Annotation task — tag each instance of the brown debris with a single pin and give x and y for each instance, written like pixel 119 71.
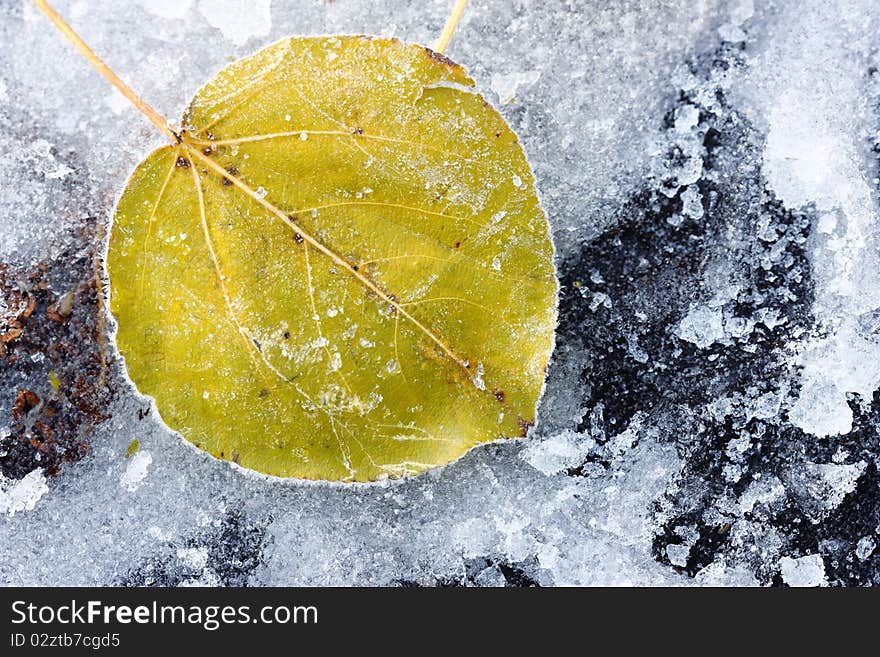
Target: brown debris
pixel 524 426
pixel 51 342
pixel 11 334
pixel 61 309
pixel 25 400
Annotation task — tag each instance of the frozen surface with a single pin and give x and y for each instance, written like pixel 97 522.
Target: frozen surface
pixel 712 414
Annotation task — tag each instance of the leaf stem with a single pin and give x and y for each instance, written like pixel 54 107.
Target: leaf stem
pixel 155 118
pixel 449 28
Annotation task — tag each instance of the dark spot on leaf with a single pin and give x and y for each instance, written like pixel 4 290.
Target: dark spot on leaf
pixel 287 335
pixel 358 131
pixel 207 150
pixel 264 393
pixel 457 245
pixel 297 238
pixel 498 394
pixel 524 426
pixel 182 162
pixel 355 267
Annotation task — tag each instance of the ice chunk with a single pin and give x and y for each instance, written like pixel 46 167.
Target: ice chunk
pixel 686 117
pixel 557 453
pixel 847 361
pixel 490 577
pixel 815 158
pixel 702 326
pixel 692 202
pixel 821 488
pixel 766 490
pixel 678 554
pixel 136 470
pixel 806 571
pixel 821 408
pixel 22 494
pixel 721 574
pixel 195 558
pixel 865 547
pixel 506 86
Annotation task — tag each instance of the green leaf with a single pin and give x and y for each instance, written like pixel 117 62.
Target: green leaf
pixel 342 272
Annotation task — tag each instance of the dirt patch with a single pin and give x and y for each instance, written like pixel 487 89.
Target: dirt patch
pixel 53 362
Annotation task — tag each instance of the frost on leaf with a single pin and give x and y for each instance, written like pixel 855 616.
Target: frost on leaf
pixel 342 270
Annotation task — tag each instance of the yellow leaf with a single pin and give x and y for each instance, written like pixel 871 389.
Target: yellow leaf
pixel 132 448
pixel 342 271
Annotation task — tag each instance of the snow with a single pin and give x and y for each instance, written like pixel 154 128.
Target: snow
pixel 710 172
pixel 170 9
pixel 238 20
